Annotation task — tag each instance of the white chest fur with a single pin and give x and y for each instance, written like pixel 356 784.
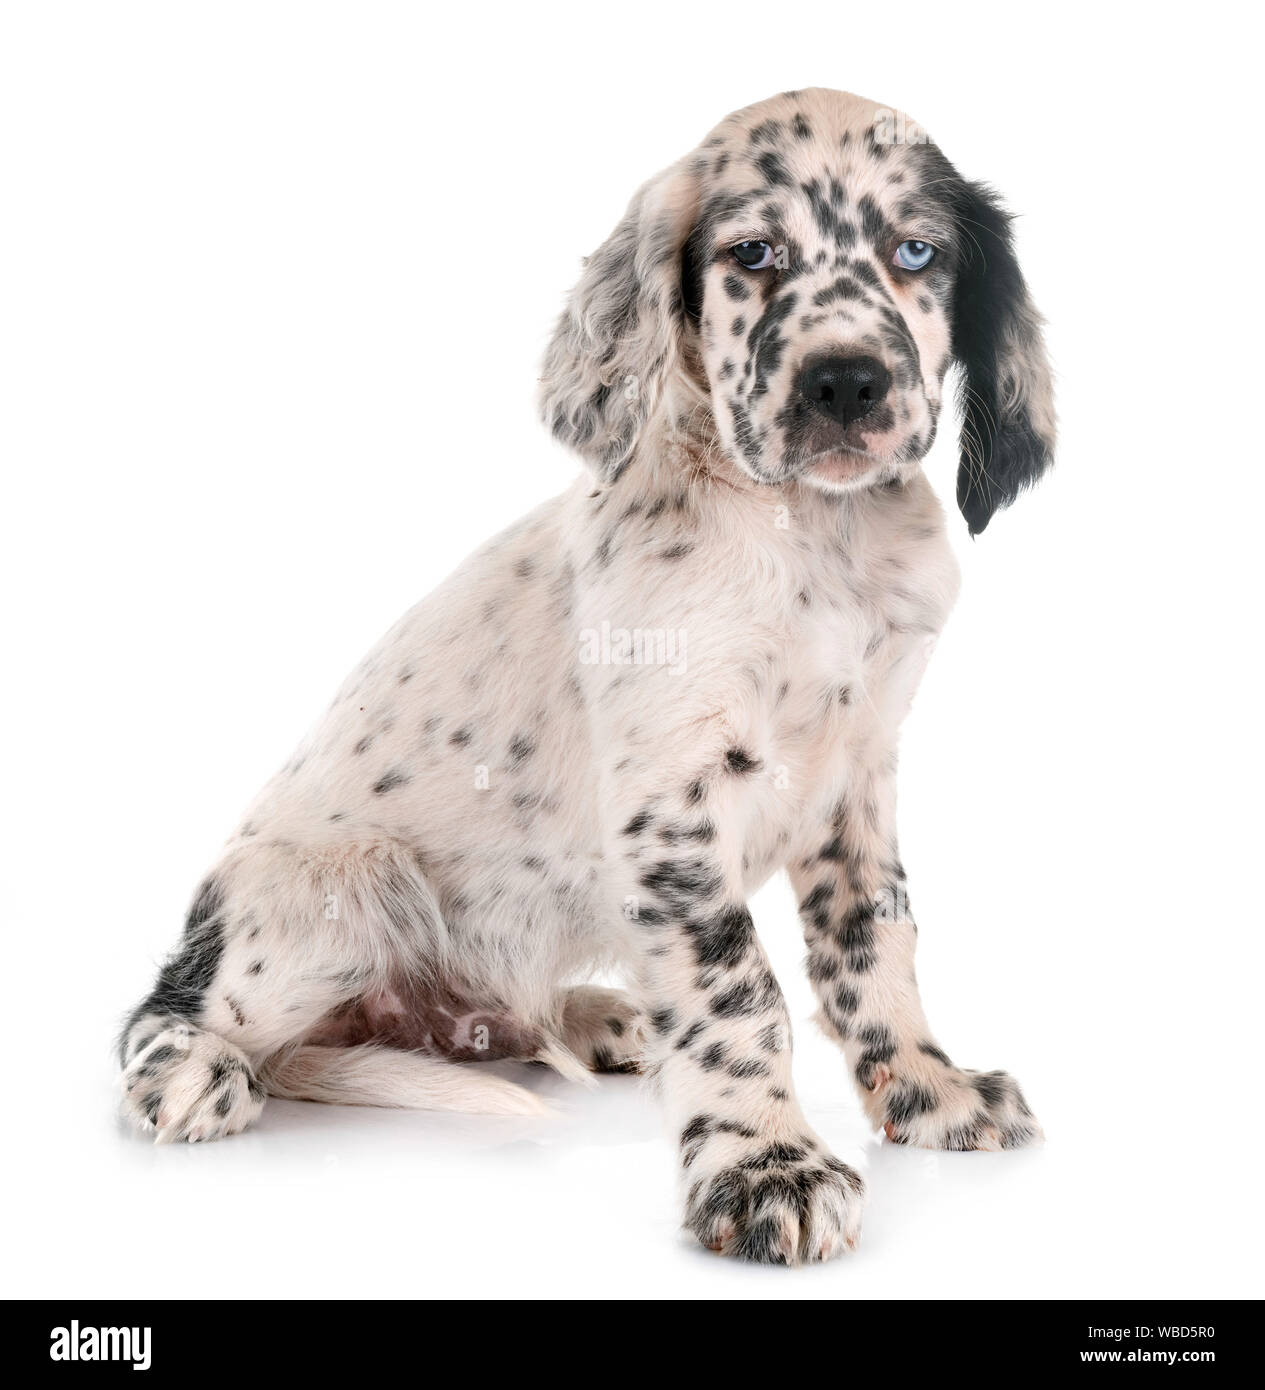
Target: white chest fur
pixel 871 597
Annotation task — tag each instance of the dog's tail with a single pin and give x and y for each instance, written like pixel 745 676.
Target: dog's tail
pixel 370 1074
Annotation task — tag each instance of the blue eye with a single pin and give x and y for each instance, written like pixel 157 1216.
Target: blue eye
pixel 754 255
pixel 914 255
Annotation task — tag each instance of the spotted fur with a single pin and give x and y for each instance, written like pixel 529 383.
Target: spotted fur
pixel 594 742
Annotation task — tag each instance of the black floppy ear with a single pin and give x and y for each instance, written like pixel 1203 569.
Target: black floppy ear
pixel 1006 397
pixel 617 349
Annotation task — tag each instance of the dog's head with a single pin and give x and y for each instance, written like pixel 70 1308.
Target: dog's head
pixel 794 293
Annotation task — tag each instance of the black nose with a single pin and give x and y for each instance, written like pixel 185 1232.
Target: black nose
pixel 844 388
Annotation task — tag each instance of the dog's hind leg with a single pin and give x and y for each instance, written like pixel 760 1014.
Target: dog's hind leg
pixel 182 1080
pixel 278 940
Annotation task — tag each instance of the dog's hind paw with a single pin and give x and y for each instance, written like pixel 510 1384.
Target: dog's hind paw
pixel 191 1085
pixel 604 1028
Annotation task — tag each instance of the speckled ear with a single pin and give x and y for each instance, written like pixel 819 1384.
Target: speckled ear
pixel 1006 395
pixel 619 339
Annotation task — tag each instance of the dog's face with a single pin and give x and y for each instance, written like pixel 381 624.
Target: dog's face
pixel 796 291
pixel 820 274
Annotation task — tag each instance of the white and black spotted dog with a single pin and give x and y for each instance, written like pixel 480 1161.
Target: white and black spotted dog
pixel 591 744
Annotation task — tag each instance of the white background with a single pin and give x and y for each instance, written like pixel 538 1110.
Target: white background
pixel 275 279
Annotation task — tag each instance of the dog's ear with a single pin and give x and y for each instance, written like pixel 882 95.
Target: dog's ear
pixel 1006 397
pixel 618 345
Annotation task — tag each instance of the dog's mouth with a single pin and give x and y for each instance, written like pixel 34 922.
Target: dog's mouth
pixel 838 466
pixel 833 454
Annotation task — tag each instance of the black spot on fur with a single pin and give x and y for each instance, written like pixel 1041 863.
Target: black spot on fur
pixel 880 1048
pixel 521 748
pixel 908 1102
pixel 772 1038
pixel 822 968
pixel 739 761
pixel 223 1069
pixel 816 905
pixel 773 167
pixel 991 1087
pixel 682 882
pixel 847 1000
pixel 776 1156
pixel 856 935
pixel 766 132
pixel 747 997
pixel 697 1128
pixel 722 940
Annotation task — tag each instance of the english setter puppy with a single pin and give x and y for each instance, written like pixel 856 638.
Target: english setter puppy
pixel 589 746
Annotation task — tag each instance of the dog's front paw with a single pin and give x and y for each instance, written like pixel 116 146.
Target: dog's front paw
pixel 769 1198
pixel 944 1107
pixel 191 1085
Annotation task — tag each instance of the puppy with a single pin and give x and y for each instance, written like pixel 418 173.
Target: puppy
pixel 611 725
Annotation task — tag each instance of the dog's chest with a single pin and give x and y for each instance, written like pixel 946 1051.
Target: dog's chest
pixel 856 642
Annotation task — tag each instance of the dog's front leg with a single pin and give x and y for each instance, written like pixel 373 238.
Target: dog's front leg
pixel 758 1182
pixel 861 936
